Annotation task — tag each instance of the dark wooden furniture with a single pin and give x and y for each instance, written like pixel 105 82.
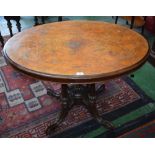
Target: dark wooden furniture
pixel 77 54
pixel 153 50
pixel 59 18
pixel 137 21
pixel 36 20
pixel 17 19
pixel 152 54
pixel 1 40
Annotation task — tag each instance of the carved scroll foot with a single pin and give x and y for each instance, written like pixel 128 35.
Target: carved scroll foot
pixel 62 116
pixel 53 93
pixel 66 106
pixel 94 112
pixel 90 102
pixel 105 123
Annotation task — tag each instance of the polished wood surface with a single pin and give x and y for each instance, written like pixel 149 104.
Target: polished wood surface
pixel 77 51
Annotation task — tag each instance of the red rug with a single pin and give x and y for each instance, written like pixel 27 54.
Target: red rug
pixel 26 110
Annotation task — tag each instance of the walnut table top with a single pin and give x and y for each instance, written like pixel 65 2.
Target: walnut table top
pixel 77 51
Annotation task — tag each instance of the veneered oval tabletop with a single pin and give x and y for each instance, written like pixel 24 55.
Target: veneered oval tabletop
pixel 77 51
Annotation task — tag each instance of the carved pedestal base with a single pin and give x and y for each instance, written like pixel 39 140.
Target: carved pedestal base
pixel 78 94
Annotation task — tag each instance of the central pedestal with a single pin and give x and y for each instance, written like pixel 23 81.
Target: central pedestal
pixel 78 95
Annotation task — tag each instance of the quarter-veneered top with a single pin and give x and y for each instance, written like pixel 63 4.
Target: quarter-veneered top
pixel 77 51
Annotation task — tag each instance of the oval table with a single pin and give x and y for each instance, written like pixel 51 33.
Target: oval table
pixel 77 54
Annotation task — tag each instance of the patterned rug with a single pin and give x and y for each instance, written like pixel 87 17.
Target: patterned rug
pixel 26 110
pixel 145 131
